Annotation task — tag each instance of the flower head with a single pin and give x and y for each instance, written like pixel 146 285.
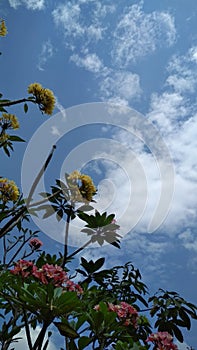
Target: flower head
pixel 3 28
pixel 9 121
pixel 35 243
pixel 124 311
pixel 22 268
pixel 82 187
pixel 162 341
pixel 73 287
pixel 43 97
pixel 8 190
pixel 3 137
pixel 51 274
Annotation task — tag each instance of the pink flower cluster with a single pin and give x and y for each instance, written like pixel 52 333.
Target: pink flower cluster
pixel 124 312
pixel 35 243
pixel 46 274
pixel 162 341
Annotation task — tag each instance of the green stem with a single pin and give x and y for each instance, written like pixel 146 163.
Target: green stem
pixel 39 341
pixel 44 200
pixel 79 249
pixel 11 103
pixel 12 222
pixel 38 177
pixel 66 236
pixel 28 335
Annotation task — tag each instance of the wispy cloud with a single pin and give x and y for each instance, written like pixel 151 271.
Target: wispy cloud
pixel 120 86
pixel 89 61
pixel 183 72
pixel 30 4
pixel 138 34
pixel 47 52
pixel 72 17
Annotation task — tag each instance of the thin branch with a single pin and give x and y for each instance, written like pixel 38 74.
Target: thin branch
pixel 11 103
pixel 44 200
pixel 12 222
pixel 39 341
pixel 27 330
pixel 38 177
pixel 66 237
pixel 79 249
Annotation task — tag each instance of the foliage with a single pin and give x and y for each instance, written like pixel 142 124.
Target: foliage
pixel 108 308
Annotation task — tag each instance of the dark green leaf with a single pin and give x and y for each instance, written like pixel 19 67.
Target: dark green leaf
pixel 83 342
pixel 25 107
pixel 66 330
pixel 16 138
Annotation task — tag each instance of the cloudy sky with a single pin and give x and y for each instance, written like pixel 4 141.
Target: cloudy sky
pixel 139 56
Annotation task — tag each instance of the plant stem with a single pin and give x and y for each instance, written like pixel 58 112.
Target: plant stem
pixel 11 103
pixel 38 177
pixel 13 221
pixel 28 335
pixel 39 341
pixel 79 249
pixel 44 200
pixel 66 236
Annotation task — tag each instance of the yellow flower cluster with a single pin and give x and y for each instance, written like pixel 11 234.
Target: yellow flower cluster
pixel 9 121
pixel 3 137
pixel 83 192
pixel 3 29
pixel 44 97
pixel 8 190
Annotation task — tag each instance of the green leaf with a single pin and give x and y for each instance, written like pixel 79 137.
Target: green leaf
pixel 83 342
pixel 16 138
pixel 185 318
pixel 177 333
pixel 85 208
pixel 66 330
pixel 98 264
pixel 25 107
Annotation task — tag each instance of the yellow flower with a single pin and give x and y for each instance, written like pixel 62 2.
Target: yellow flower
pixel 3 29
pixel 83 192
pixel 87 188
pixel 8 190
pixel 9 121
pixel 3 137
pixel 43 97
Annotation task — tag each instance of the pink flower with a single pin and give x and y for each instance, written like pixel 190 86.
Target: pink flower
pixel 35 243
pixel 162 341
pixel 23 268
pixel 124 311
pixel 51 273
pixel 73 287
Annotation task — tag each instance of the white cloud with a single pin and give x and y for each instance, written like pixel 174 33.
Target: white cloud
pixel 72 17
pixel 90 62
pixel 166 109
pixel 59 106
pixel 46 53
pixel 183 72
pixel 173 111
pixel 121 85
pixel 182 346
pixel 139 33
pixel 22 343
pixel 30 4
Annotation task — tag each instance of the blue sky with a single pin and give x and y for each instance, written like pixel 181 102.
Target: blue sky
pixel 140 54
